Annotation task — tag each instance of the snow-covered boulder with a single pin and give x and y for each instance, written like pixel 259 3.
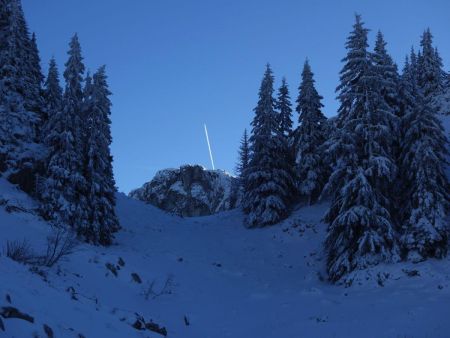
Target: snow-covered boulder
pixel 190 190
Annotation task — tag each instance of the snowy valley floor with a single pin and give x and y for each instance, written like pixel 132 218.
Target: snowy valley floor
pixel 220 278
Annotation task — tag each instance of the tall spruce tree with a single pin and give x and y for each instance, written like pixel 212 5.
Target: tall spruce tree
pixel 389 80
pixel 102 219
pixel 430 73
pixel 64 192
pixel 244 158
pixel 311 169
pixel 267 192
pixel 361 231
pixel 426 190
pixel 52 90
pixel 52 93
pixel 284 109
pixel 51 138
pixel 73 107
pixel 35 98
pixel 17 120
pixel 387 69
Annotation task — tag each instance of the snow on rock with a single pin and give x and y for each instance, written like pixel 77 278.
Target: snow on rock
pixel 190 190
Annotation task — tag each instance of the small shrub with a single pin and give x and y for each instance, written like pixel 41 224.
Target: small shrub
pixel 60 243
pixel 151 292
pixel 20 251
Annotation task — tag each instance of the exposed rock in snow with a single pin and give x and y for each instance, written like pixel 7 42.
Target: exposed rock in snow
pixel 190 190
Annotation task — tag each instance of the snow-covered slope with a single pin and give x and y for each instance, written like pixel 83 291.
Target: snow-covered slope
pixel 210 277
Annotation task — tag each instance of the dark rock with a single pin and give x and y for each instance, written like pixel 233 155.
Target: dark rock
pixel 156 328
pixel 48 331
pixel 411 273
pixel 27 176
pixel 136 278
pixel 111 268
pixel 138 325
pixel 191 191
pixel 121 262
pixel 2 326
pixel 8 312
pixel 73 294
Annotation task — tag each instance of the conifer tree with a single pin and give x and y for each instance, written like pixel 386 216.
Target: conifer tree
pixel 284 111
pixel 387 69
pixel 73 107
pixel 64 191
pixel 430 73
pixel 361 231
pixel 426 190
pixel 102 220
pixel 309 137
pixel 389 79
pixel 17 121
pixel 52 93
pixel 35 100
pixel 244 158
pixel 269 183
pixel 283 106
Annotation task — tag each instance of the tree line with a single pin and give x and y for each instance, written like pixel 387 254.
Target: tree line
pixel 381 161
pixel 55 142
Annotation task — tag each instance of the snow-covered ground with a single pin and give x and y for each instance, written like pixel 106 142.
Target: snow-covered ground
pixel 215 275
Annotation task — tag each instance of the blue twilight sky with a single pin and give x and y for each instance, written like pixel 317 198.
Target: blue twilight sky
pixel 175 64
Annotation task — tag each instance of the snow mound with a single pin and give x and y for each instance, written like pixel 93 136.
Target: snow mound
pixel 190 190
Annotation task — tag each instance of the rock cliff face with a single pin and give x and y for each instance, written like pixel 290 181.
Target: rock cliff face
pixel 191 190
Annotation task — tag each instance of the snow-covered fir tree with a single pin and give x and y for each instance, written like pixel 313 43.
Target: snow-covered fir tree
pixel 73 106
pixel 52 93
pixel 431 76
pixel 309 137
pixel 361 230
pixel 387 69
pixel 85 112
pixel 244 158
pixel 269 182
pixel 101 201
pixel 284 112
pixel 389 80
pixel 35 99
pixel 426 190
pixel 63 193
pixel 17 120
pixel 284 109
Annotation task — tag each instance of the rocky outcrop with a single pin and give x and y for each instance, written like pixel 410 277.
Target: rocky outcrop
pixel 190 190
